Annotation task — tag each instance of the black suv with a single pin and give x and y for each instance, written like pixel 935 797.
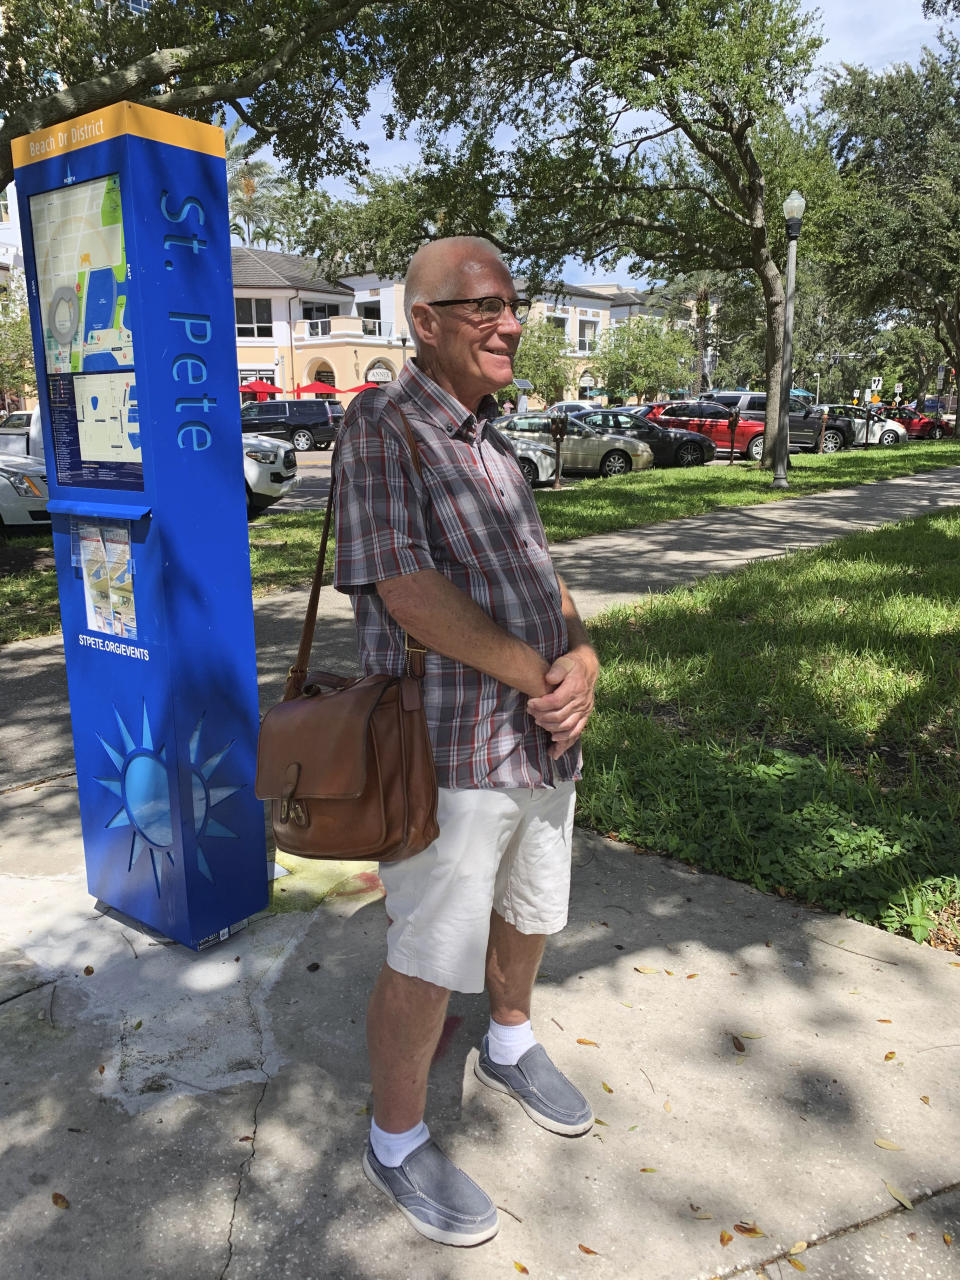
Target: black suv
pixel 306 424
pixel 805 421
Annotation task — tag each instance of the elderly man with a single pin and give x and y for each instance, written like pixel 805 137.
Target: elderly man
pixel 447 547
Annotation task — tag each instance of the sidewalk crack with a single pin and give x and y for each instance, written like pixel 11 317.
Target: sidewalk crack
pixel 248 1161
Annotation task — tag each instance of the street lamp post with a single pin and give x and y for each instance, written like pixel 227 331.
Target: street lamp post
pixel 404 339
pixel 793 208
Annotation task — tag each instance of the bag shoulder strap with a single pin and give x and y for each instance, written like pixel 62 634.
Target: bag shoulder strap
pixel 416 653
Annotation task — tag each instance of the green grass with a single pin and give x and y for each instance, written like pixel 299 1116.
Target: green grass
pixel 648 497
pixel 795 725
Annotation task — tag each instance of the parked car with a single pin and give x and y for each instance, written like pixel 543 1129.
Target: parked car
pixel 671 447
pixel 918 425
pixel 574 406
pixel 584 449
pixel 881 431
pixel 23 493
pixel 538 462
pixel 804 424
pixel 269 471
pixel 21 434
pixel 306 424
pixel 646 410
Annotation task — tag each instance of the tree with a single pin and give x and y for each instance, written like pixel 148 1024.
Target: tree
pixel 896 135
pixel 17 372
pixel 655 134
pixel 295 73
pixel 542 360
pixel 643 358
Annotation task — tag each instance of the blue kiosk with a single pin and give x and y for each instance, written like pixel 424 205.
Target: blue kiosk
pixel 127 251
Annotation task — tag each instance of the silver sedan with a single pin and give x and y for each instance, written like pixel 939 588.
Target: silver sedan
pixel 881 431
pixel 603 453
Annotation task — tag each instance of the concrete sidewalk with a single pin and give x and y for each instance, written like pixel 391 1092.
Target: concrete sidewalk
pixel 203 1115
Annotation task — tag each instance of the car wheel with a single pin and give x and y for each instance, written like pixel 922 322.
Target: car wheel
pixel 616 463
pixel 689 454
pixel 754 449
pixel 935 432
pixel 302 440
pixel 888 437
pixel 528 470
pixel 832 441
pixel 252 511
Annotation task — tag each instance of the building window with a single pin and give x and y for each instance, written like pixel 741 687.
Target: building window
pixel 4 206
pixel 254 319
pixel 319 310
pixel 558 322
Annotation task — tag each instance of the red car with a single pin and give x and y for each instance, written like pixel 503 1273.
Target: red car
pixel 918 426
pixel 713 421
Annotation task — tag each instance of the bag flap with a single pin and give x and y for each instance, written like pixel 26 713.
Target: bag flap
pixel 326 736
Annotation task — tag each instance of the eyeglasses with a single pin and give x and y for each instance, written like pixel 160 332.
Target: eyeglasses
pixel 490 308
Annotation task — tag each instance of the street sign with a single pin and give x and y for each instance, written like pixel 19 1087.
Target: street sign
pixel 856 396
pixel 941 370
pixel 898 388
pixel 876 384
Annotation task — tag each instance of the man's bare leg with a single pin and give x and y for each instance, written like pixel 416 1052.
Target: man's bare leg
pixel 404 1021
pixel 513 959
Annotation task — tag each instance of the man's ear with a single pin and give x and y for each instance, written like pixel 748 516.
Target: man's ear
pixel 425 323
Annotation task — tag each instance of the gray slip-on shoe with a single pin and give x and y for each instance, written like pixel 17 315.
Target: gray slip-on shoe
pixel 545 1093
pixel 436 1197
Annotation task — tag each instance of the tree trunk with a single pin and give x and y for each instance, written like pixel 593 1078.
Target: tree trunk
pixel 774 301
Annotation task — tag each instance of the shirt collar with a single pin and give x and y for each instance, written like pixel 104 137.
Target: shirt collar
pixel 444 409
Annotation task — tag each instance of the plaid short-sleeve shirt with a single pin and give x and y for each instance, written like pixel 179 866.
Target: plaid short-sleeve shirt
pixel 471 516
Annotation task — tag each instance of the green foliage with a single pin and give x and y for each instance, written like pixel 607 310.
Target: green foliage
pixel 542 360
pixel 643 358
pixel 896 135
pixel 17 372
pixel 794 725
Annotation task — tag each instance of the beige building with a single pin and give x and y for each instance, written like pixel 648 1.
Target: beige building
pixel 294 328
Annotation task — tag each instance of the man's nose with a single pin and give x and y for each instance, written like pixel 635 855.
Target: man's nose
pixel 509 322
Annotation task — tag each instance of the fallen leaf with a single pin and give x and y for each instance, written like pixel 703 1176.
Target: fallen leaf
pixel 886 1144
pixel 897 1194
pixel 521 1268
pixel 667 1106
pixel 101 1069
pixel 739 1045
pixel 749 1229
pixel 247 1137
pixel 586 1248
pixel 912 1237
pixel 138 1024
pixel 88 969
pixel 668 972
pixel 704 1216
pixel 694 1208
pixel 725 1238
pixel 752 1035
pixel 884 1019
pixel 798 1247
pixel 625 1005
pixel 597 1135
pixel 692 975
pixel 632 1127
pixel 593 1042
pixel 313 966
pixel 362 1111
pixel 947 1238
pixel 606 1087
pixel 61 1202
pixel 648 1170
pixel 797 1266
pixel 924 1099
pixel 954 963
pixel 643 968
pixel 889 1057
pixel 597 1120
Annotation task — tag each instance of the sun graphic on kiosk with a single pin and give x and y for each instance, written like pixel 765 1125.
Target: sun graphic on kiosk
pixel 143 785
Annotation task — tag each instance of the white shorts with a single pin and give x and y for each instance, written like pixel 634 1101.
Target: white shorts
pixel 503 849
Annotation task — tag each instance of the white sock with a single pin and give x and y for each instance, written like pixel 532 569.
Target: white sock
pixel 392 1149
pixel 507 1045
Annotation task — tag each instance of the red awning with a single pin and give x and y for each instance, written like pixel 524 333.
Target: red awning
pixel 260 389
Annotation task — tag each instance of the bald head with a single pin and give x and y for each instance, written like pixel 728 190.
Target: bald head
pixel 442 269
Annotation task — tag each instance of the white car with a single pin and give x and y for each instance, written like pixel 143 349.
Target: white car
pixel 269 471
pixel 23 493
pixel 574 406
pixel 882 431
pixel 537 461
